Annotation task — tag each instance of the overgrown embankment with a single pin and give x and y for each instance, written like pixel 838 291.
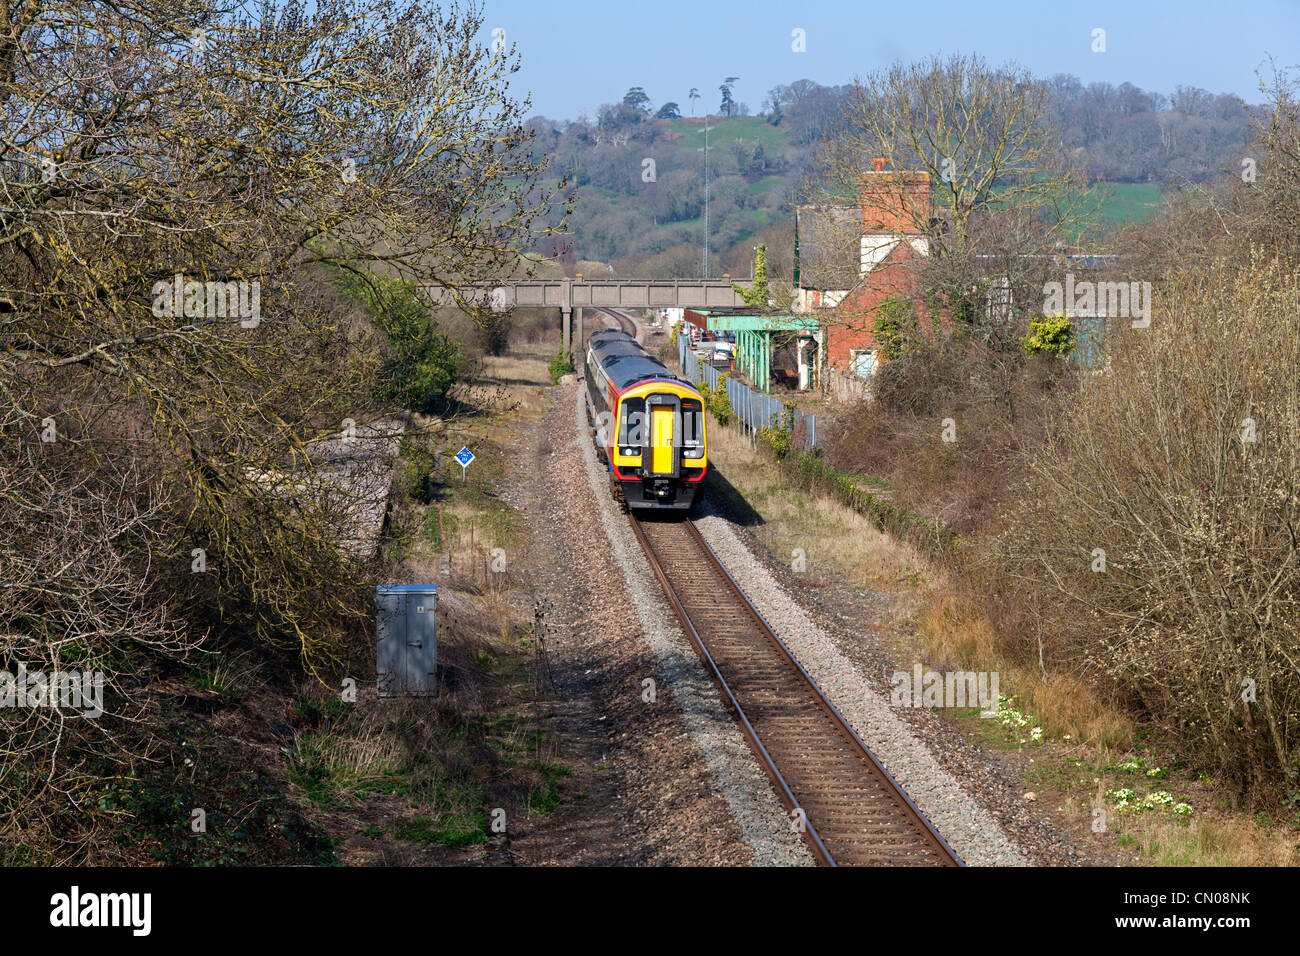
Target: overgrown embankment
pixel 1122 557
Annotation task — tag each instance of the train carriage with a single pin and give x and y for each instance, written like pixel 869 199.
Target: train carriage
pixel 648 423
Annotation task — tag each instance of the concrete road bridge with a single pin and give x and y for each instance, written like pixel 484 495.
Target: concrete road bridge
pixel 575 294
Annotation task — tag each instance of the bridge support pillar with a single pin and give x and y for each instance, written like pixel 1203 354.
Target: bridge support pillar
pixel 567 314
pixel 579 344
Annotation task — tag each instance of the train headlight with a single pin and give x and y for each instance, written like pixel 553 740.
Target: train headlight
pixel 629 451
pixel 696 452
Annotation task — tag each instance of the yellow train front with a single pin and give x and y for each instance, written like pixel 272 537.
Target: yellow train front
pixel 648 424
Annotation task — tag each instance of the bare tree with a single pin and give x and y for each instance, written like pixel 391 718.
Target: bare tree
pixel 983 139
pixel 169 197
pixel 175 179
pixel 1155 536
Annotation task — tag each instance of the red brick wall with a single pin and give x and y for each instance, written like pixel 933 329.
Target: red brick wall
pixel 853 324
pixel 893 203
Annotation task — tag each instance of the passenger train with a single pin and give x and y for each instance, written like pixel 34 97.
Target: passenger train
pixel 648 424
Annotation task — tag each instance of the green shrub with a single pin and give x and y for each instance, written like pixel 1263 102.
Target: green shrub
pixel 560 366
pixel 1049 335
pixel 895 324
pixel 778 437
pixel 719 402
pixel 423 364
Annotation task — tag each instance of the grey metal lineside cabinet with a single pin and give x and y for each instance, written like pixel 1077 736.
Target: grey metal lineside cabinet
pixel 406 650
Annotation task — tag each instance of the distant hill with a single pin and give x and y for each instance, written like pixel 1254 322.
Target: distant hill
pixel 640 199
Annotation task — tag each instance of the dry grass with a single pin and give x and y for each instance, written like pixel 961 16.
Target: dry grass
pixel 421 773
pixel 1215 841
pixel 522 369
pixel 362 756
pixel 466 523
pixel 514 382
pixel 833 537
pixel 954 634
pixel 1068 707
pixel 946 630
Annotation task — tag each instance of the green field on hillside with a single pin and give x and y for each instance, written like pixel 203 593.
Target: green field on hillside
pixel 1129 202
pixel 724 131
pixel 765 185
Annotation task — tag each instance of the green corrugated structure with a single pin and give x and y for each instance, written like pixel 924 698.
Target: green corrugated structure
pixel 754 338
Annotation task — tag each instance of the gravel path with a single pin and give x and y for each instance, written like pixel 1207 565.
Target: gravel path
pixel 967 827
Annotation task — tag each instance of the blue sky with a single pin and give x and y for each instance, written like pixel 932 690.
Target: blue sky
pixel 577 55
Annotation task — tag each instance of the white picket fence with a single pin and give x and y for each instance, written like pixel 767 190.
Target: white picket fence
pixel 753 409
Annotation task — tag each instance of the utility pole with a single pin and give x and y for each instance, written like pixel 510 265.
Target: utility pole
pixel 705 151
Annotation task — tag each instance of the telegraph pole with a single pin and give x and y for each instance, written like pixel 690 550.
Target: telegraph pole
pixel 705 151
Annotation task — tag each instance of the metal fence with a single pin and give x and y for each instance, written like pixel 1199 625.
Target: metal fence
pixel 753 409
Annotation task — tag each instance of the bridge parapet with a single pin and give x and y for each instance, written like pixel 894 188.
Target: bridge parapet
pixel 579 293
pixel 567 294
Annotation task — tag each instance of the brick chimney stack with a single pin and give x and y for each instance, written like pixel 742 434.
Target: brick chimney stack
pixel 894 203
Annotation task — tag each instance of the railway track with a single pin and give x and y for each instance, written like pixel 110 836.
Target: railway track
pixel 854 812
pixel 624 323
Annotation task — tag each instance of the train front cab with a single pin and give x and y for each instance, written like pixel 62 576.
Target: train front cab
pixel 661 455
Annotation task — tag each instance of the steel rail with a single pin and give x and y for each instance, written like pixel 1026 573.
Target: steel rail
pixel 624 323
pixel 912 838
